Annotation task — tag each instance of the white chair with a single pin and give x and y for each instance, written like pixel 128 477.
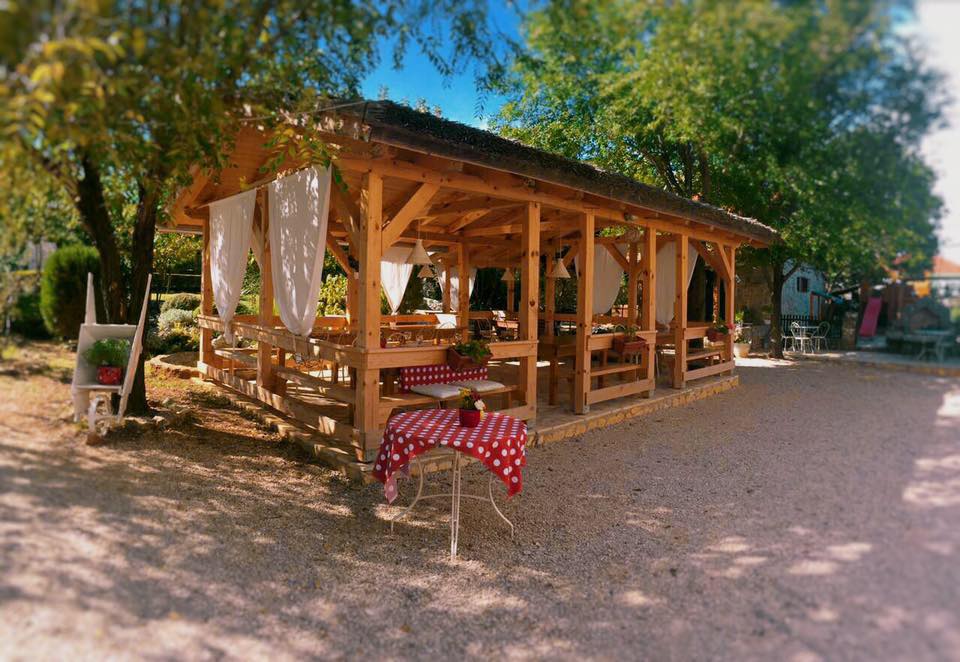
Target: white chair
pixel 800 338
pixel 820 336
pixel 90 396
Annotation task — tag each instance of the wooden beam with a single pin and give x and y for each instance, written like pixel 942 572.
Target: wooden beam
pixel 648 312
pixel 265 377
pixel 467 219
pixel 484 204
pixel 730 305
pixel 529 301
pixel 618 256
pixel 463 292
pixel 680 313
pixel 368 331
pixel 549 296
pixel 339 255
pixel 402 219
pixel 351 215
pixel 581 389
pixel 633 269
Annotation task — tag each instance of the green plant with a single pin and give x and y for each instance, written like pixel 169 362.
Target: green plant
pixel 333 295
pixel 112 352
pixel 180 301
pixel 25 318
pixel 476 350
pixel 63 289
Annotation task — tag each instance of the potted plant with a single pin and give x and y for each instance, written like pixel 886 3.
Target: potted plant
pixel 465 355
pixel 719 331
pixel 110 357
pixel 471 408
pixel 741 346
pixel 629 343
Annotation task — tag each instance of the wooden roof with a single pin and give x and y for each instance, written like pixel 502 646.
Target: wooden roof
pixel 470 184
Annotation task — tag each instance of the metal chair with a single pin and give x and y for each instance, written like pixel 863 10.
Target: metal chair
pixel 819 336
pixel 800 337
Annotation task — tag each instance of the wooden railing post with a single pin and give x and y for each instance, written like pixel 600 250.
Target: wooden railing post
pixel 581 387
pixel 529 303
pixel 206 299
pixel 730 300
pixel 265 376
pixel 680 313
pixel 368 322
pixel 549 297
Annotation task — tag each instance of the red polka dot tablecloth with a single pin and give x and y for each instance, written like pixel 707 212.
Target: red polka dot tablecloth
pixel 499 442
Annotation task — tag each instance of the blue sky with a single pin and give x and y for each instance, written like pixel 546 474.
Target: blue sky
pixel 456 96
pixel 936 25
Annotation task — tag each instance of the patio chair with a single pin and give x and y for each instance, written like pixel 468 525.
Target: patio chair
pixel 486 330
pixel 800 338
pixel 819 336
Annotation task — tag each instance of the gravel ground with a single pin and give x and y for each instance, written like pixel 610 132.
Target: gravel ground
pixel 812 513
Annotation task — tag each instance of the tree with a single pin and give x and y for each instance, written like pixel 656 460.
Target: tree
pixel 806 116
pixel 117 101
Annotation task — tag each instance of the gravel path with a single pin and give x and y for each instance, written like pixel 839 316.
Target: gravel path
pixel 812 513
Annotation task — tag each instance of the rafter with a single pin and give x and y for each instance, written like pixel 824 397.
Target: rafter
pixel 402 219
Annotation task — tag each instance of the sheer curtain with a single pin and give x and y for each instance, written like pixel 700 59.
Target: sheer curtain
pixel 395 274
pixel 666 282
pixel 231 221
pixel 455 285
pixel 607 277
pixel 299 204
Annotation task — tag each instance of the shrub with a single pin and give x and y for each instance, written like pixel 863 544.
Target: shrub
pixel 25 318
pixel 180 301
pixel 63 288
pixel 174 317
pixel 112 352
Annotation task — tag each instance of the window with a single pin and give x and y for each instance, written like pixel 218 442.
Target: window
pixel 803 284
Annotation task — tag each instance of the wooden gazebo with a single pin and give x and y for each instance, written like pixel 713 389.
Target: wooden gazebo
pixel 476 200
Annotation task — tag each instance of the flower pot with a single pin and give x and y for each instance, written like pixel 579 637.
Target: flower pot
pixel 625 347
pixel 109 375
pixel 713 335
pixel 741 349
pixel 469 418
pixel 457 361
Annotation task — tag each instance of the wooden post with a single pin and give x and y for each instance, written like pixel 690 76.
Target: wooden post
pixel 549 297
pixel 680 313
pixel 648 311
pixel 353 298
pixel 529 302
pixel 581 387
pixel 632 277
pixel 206 299
pixel 511 295
pixel 729 301
pixel 463 292
pixel 265 350
pixel 368 323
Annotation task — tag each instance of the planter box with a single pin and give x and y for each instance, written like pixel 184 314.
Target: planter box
pixel 459 362
pixel 714 336
pixel 625 347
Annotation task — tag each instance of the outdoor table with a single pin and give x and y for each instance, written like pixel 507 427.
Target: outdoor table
pixel 498 442
pixel 933 343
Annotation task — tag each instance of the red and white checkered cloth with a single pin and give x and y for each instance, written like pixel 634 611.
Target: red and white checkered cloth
pixel 437 374
pixel 499 442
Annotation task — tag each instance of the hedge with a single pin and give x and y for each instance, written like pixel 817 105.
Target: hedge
pixel 63 288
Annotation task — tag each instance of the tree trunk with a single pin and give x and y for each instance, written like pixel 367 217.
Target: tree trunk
pixel 144 232
pixel 91 204
pixel 776 303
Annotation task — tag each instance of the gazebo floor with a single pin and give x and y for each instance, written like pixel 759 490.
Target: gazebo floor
pixel 554 422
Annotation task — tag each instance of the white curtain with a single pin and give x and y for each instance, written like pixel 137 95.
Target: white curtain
pixel 395 274
pixel 231 221
pixel 666 279
pixel 455 285
pixel 298 237
pixel 607 277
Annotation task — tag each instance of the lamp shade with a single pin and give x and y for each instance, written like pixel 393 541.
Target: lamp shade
pixel 425 272
pixel 418 255
pixel 559 270
pixel 507 275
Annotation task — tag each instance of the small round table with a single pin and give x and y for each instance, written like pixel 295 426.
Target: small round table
pixel 498 442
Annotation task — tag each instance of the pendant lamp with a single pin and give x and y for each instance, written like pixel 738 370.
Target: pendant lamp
pixel 425 272
pixel 508 275
pixel 559 270
pixel 419 254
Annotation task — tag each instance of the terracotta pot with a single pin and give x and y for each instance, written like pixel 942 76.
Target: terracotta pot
pixel 469 418
pixel 109 375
